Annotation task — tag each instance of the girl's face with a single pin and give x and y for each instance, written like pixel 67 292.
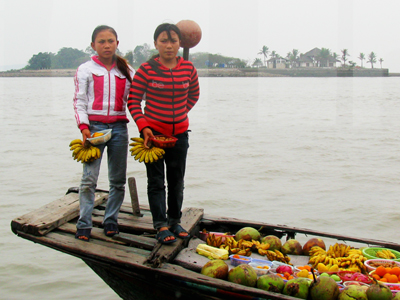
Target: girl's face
pixel 105 45
pixel 167 48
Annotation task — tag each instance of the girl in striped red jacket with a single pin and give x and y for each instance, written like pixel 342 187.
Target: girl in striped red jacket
pixel 170 87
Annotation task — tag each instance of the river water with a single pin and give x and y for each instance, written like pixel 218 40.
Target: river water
pixel 319 153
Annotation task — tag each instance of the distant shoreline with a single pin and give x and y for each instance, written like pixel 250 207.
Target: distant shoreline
pixel 227 72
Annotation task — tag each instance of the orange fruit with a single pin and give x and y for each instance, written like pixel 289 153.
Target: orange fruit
pixel 96 134
pixel 383 280
pixel 387 276
pixel 381 271
pixel 376 276
pixel 395 271
pixel 388 270
pixel 393 279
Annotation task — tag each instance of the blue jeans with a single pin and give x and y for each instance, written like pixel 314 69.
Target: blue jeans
pixel 175 162
pixel 117 154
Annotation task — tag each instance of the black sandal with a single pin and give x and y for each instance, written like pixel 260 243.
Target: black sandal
pixel 110 229
pixel 83 234
pixel 177 230
pixel 163 234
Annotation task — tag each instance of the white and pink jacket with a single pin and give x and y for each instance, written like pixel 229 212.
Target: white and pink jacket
pixel 100 95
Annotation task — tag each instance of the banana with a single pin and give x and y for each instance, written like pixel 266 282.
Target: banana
pixel 140 154
pixel 74 146
pixel 76 141
pixel 81 154
pixel 139 140
pixel 76 151
pixel 136 151
pixel 98 153
pixel 146 157
pixel 154 155
pixel 94 152
pixel 88 155
pixel 143 156
pixel 151 158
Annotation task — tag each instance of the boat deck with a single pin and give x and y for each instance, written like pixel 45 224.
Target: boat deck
pixel 135 258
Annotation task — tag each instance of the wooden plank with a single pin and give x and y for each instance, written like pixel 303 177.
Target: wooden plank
pixel 136 240
pixel 127 223
pixel 50 216
pixel 96 233
pixel 165 253
pixel 97 250
pixel 134 197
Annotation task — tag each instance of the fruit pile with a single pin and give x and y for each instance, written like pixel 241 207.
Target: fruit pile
pixel 84 153
pixel 385 254
pixel 338 256
pixel 302 284
pixel 245 243
pixel 148 155
pixel 390 275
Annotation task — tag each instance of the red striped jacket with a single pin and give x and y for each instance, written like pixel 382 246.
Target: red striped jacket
pixel 169 94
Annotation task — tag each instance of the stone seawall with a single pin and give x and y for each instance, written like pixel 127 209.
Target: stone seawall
pixel 247 72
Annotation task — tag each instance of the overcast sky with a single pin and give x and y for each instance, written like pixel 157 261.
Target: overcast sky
pixel 229 27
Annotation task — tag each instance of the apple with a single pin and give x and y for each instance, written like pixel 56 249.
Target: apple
pixel 311 243
pixel 292 246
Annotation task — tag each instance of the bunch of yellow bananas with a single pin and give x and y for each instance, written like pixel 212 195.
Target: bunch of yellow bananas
pixel 276 255
pixel 345 257
pixel 148 155
pixel 338 250
pixel 84 153
pixel 241 247
pixel 385 254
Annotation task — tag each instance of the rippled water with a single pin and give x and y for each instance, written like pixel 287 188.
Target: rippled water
pixel 320 153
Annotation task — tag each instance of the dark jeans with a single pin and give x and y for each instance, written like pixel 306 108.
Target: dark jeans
pixel 175 162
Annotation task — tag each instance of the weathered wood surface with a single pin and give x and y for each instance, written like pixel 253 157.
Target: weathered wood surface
pixel 165 253
pixel 127 221
pixel 50 216
pixel 101 251
pixel 134 196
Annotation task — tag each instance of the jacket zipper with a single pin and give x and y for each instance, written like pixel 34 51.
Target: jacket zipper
pixel 173 100
pixel 109 94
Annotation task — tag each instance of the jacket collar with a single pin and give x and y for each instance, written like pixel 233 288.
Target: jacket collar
pixel 161 66
pixel 95 58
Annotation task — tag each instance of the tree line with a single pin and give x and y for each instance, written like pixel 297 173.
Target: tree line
pixel 71 58
pixel 292 58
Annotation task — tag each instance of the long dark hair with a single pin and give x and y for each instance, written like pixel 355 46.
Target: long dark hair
pixel 161 28
pixel 122 64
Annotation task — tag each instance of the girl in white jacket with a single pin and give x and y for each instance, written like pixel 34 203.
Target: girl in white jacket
pixel 101 90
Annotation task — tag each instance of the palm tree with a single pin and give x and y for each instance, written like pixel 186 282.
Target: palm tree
pixel 264 51
pixel 371 59
pixel 274 56
pixel 335 57
pixel 361 57
pixel 323 57
pixel 257 63
pixel 380 61
pixel 345 53
pixel 292 56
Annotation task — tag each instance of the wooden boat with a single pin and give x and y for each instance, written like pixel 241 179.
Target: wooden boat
pixel 135 266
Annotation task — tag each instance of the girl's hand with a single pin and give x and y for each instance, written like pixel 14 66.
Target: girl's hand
pixel 85 135
pixel 147 134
